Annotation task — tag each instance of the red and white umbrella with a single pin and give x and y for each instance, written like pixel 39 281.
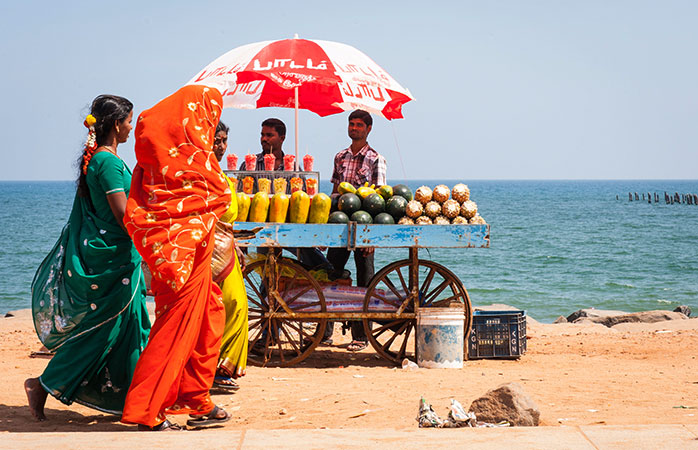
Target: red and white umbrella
pixel 321 76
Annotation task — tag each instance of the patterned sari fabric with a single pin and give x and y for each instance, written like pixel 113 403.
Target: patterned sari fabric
pixel 88 299
pixel 178 193
pixel 233 356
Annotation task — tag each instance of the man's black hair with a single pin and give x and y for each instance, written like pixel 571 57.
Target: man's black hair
pixel 362 115
pixel 276 124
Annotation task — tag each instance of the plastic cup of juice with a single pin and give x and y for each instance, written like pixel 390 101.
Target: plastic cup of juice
pixel 280 185
pixel 264 185
pixel 248 185
pixel 311 186
pixel 250 162
pixel 232 161
pixel 289 162
pixel 308 163
pixel 296 184
pixel 269 161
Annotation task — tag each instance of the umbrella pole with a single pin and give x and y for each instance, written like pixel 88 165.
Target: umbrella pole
pixel 296 95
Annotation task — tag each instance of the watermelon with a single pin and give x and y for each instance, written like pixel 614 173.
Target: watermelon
pixel 402 191
pixel 396 206
pixel 373 204
pixel 335 200
pixel 361 217
pixel 338 217
pixel 384 218
pixel 349 203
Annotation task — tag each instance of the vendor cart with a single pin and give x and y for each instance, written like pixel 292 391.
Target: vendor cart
pixel 289 307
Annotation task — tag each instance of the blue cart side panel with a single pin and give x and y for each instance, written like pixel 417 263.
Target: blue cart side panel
pixel 423 236
pixel 357 235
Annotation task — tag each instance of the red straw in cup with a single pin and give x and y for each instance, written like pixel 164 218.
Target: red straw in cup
pixel 269 161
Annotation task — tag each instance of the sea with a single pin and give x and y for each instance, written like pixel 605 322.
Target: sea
pixel 555 246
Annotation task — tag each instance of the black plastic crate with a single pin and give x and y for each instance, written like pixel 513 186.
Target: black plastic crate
pixel 497 334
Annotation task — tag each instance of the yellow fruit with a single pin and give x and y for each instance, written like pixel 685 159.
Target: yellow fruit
pixel 278 208
pixel 319 208
pixel 365 191
pixel 345 187
pixel 300 205
pixel 259 207
pixel 243 206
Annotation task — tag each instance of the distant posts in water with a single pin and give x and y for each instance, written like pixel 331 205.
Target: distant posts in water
pixel 686 199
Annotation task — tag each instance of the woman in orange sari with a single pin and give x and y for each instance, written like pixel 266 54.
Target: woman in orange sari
pixel 178 192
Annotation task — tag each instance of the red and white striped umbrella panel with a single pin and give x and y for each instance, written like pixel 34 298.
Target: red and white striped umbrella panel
pixel 330 78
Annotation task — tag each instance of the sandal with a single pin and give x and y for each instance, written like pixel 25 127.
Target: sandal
pixel 357 346
pixel 209 419
pixel 164 426
pixel 225 382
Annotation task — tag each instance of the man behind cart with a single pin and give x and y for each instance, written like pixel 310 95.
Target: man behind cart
pixel 357 164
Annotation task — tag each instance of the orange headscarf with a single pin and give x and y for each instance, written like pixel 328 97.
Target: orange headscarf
pixel 178 190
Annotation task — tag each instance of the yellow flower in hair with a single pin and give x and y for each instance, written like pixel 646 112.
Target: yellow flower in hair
pixel 90 120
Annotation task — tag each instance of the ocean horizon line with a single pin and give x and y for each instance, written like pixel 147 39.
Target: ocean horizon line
pixel 443 179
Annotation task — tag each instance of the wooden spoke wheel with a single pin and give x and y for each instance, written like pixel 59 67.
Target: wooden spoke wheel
pixel 394 290
pixel 281 286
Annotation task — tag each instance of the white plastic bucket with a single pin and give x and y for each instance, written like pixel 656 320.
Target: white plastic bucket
pixel 440 338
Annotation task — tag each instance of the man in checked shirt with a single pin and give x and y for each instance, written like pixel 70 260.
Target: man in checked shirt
pixel 357 164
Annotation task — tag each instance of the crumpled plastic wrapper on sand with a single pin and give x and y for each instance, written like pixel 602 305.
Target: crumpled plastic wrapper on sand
pixel 457 417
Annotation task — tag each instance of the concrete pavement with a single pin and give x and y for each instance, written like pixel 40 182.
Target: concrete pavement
pixel 564 437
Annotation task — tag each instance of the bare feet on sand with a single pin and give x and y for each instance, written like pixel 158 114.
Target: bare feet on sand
pixel 37 398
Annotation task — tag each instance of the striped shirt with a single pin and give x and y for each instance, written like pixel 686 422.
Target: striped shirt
pixel 366 166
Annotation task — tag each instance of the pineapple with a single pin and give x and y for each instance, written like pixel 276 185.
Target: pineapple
pixel 432 209
pixel 414 209
pixel 477 220
pixel 405 221
pixel 468 209
pixel 450 208
pixel 423 220
pixel 423 194
pixel 460 193
pixel 441 220
pixel 441 193
pixel 459 220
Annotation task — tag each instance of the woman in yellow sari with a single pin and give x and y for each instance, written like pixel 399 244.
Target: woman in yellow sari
pixel 232 362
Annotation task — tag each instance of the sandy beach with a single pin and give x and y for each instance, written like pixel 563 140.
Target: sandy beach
pixel 578 374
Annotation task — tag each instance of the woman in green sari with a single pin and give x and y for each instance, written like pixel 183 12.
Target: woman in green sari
pixel 88 295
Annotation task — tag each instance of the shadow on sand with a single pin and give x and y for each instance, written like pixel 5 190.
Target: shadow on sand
pixel 18 419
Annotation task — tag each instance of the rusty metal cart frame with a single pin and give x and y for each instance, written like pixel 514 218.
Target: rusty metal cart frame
pixel 288 311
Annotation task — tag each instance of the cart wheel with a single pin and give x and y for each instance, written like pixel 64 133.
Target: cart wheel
pixel 282 342
pixel 387 292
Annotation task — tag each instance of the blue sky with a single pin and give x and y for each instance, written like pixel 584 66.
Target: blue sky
pixel 504 89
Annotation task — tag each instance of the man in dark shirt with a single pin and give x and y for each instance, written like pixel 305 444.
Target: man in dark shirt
pixel 271 139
